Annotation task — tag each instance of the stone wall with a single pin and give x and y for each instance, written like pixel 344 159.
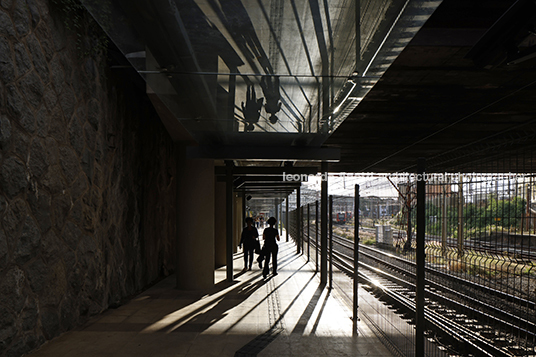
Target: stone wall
pixel 86 182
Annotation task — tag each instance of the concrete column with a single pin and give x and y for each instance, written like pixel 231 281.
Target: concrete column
pixel 229 222
pixel 219 225
pixel 238 214
pixel 195 224
pixel 243 216
pixel 276 211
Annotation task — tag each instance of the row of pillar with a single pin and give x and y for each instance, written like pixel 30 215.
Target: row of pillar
pixel 326 273
pixel 323 227
pixel 209 220
pixel 206 209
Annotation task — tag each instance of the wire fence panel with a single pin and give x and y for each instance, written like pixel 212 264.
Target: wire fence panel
pixel 480 252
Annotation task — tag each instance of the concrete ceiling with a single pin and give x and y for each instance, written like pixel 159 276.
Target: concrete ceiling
pixel 456 96
pixel 308 63
pixel 453 81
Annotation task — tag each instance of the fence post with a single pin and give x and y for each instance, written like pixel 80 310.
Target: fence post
pixel 444 222
pixel 419 313
pixel 298 222
pixel 308 233
pixel 302 229
pixel 287 217
pixel 280 220
pixel 316 236
pixel 330 242
pixel 324 225
pixel 460 218
pixel 355 317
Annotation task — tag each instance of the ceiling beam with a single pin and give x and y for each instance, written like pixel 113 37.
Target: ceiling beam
pixel 268 193
pixel 268 179
pixel 268 153
pixel 279 178
pixel 268 171
pixel 269 186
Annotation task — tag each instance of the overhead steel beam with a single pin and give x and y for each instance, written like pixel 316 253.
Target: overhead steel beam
pixel 267 192
pixel 268 189
pixel 270 153
pixel 271 192
pixel 262 195
pixel 270 185
pixel 278 178
pixel 263 170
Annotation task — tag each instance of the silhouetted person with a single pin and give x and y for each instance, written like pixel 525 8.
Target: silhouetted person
pixel 270 235
pixel 249 236
pixel 270 88
pixel 252 109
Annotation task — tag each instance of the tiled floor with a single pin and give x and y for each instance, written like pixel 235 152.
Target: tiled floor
pixel 286 315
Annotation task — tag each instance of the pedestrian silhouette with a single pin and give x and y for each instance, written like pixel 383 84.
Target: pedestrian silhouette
pixel 270 88
pixel 270 235
pixel 252 109
pixel 249 239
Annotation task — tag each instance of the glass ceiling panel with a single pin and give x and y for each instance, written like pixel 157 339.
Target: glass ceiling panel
pixel 259 72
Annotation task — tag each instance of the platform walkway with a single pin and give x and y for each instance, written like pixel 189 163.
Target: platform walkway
pixel 290 314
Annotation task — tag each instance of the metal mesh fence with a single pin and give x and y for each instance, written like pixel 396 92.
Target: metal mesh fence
pixel 479 241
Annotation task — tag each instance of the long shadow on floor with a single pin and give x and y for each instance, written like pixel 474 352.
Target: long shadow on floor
pixel 219 303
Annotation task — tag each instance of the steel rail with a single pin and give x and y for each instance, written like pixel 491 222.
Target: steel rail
pixel 508 297
pixel 436 285
pixel 471 339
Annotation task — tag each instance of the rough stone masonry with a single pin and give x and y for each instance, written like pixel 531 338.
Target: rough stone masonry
pixel 86 181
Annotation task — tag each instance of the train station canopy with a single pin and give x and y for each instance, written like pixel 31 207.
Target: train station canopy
pixel 367 85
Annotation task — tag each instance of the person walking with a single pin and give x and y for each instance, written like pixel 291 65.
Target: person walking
pixel 270 235
pixel 249 236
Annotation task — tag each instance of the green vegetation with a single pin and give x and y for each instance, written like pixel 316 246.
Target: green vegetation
pixel 493 215
pixel 369 241
pixel 505 213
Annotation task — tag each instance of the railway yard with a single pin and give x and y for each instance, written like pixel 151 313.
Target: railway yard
pixel 479 303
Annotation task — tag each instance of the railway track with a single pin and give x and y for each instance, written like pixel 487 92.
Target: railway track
pixel 521 254
pixel 470 318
